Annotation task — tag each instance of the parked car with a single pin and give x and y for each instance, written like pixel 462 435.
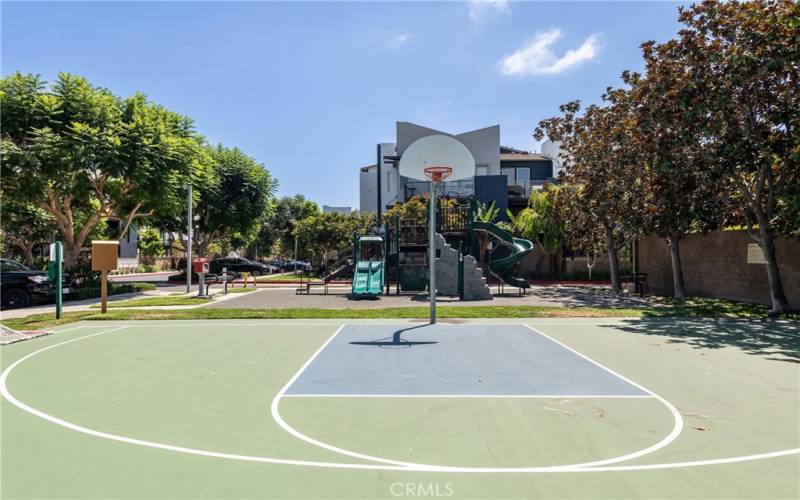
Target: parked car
pixel 21 286
pixel 239 265
pixel 210 278
pixel 290 265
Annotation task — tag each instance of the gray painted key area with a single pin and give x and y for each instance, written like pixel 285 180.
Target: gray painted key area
pixel 453 360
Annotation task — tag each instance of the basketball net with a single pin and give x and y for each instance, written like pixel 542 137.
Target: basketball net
pixel 437 173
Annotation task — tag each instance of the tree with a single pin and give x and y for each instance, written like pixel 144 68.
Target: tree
pixel 24 227
pixel 485 213
pixel 277 231
pixel 743 58
pixel 231 200
pixel 322 233
pixel 582 232
pixel 537 221
pixel 150 243
pixel 679 190
pixel 601 167
pixel 72 147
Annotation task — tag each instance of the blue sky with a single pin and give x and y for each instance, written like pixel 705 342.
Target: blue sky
pixel 309 88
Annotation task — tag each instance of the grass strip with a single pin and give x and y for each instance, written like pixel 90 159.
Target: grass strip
pixel 699 309
pixel 156 301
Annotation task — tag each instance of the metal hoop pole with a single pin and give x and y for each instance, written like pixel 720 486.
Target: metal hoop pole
pixel 432 250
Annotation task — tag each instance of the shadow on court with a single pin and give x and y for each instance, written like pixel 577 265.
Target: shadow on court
pixel 777 339
pixel 396 339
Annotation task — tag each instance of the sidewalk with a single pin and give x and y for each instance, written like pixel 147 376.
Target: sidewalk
pixel 83 305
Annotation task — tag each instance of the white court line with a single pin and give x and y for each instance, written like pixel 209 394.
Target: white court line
pixel 676 415
pixel 336 465
pixel 477 396
pixel 676 430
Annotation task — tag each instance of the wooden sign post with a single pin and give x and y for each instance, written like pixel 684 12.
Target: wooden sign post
pixel 104 259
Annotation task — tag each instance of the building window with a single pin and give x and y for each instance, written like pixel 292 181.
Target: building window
pixel 389 187
pixel 517 173
pixel 482 170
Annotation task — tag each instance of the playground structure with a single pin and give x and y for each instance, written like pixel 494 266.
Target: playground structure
pixel 402 264
pixel 406 241
pixel 414 245
pixel 369 265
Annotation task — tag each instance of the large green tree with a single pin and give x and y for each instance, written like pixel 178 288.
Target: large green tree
pixel 744 58
pixel 232 196
pixel 24 227
pixel 679 189
pixel 73 147
pixel 322 233
pixel 278 230
pixel 601 166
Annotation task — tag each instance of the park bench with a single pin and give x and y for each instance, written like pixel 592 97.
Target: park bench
pixel 639 281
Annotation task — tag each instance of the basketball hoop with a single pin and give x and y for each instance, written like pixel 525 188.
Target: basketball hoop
pixel 436 158
pixel 437 173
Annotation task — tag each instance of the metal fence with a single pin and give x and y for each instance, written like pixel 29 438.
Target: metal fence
pixel 452 189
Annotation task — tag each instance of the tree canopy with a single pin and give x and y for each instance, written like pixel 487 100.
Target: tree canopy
pixel 71 146
pixel 707 136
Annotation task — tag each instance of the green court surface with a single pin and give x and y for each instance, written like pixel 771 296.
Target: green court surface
pixel 196 409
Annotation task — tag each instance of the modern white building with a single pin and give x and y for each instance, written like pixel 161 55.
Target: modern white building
pixel 552 150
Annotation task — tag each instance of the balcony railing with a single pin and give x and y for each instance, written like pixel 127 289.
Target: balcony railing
pixel 522 189
pixel 452 189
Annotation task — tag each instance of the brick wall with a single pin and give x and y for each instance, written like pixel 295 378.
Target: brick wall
pixel 716 265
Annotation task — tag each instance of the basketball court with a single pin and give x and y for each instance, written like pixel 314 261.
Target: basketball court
pixel 568 408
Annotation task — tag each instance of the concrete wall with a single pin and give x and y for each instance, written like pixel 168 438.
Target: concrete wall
pixel 717 265
pixel 538 265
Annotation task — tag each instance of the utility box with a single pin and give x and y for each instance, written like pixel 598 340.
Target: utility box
pixel 104 255
pixel 201 265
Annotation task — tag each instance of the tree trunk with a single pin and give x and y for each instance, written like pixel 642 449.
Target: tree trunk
pixel 766 240
pixel 613 261
pixel 677 269
pixel 483 247
pixel 71 252
pixel 27 254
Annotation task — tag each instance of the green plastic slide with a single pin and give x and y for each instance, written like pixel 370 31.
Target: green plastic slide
pixel 368 278
pixel 506 268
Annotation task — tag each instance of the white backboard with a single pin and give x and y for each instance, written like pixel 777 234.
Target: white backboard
pixel 437 150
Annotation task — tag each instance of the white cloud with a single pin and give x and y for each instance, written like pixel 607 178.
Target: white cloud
pixel 479 9
pixel 536 57
pixel 399 39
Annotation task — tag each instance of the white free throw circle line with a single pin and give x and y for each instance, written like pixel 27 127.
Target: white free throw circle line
pixel 335 465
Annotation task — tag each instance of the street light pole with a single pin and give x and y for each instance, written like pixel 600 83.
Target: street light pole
pixel 189 241
pixel 295 251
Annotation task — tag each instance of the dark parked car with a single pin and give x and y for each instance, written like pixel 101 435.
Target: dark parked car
pixel 22 286
pixel 239 265
pixel 290 265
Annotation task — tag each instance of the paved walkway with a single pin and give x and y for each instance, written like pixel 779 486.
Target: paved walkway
pixel 553 296
pixel 82 305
